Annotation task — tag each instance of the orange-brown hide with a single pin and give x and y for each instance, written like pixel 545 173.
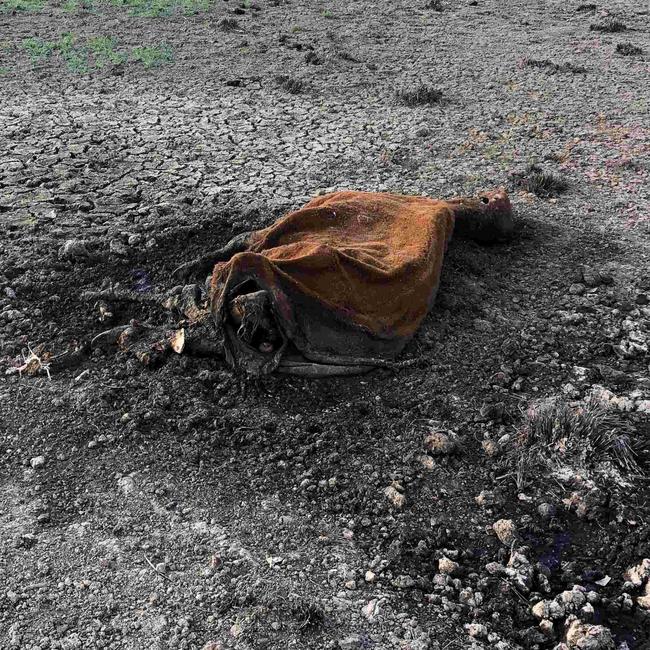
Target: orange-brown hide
pixel 351 276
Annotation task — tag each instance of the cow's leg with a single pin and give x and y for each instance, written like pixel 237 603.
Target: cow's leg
pixel 204 264
pixel 487 219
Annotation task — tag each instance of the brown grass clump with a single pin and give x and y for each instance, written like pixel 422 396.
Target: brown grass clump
pixel 589 440
pixel 542 183
pixel 628 49
pixel 419 96
pixel 608 26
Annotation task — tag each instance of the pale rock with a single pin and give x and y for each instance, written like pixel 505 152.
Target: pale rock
pixel 584 636
pixel 485 498
pixel 440 443
pixel 397 499
pixel 476 630
pixel 371 610
pixel 638 574
pixel 505 530
pixel 37 462
pixel 447 566
pixel 74 249
pixel 546 628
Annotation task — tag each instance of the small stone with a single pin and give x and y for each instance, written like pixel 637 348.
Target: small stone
pixel 638 575
pixel 126 485
pixel 74 249
pixel 546 510
pixel 490 447
pixel 476 630
pixel 439 443
pixel 371 610
pixel 643 406
pixel 592 278
pixel 573 599
pixel 447 566
pixel 494 568
pixel 403 582
pixel 37 462
pixel 351 642
pixel 546 628
pixel 556 610
pixel 644 601
pixel 117 247
pixel 570 390
pixel 505 530
pixel 483 325
pixel 397 499
pixel 576 289
pixel 642 299
pixel 370 576
pixel 540 609
pixel 589 637
pixel 485 498
pixel 587 612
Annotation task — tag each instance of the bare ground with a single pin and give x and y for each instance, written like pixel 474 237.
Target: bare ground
pixel 180 505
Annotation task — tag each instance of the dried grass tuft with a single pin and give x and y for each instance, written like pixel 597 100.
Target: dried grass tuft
pixel 590 440
pixel 419 96
pixel 542 183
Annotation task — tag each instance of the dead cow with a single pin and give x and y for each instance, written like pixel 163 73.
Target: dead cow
pixel 341 285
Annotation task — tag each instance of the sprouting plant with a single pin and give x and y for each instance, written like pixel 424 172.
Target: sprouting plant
pixel 152 55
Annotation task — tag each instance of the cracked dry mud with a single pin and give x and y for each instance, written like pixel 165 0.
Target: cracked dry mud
pixel 180 507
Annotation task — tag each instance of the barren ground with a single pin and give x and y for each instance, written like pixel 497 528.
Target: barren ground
pixel 179 506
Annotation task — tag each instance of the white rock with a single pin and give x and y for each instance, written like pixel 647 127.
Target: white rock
pixel 396 498
pixel 476 630
pixel 540 610
pixel 126 485
pixel 643 406
pixel 638 574
pixel 447 566
pixel 371 610
pixel 37 462
pixel 74 249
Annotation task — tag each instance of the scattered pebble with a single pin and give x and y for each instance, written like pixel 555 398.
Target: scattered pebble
pixel 74 249
pixel 396 498
pixel 447 566
pixel 37 462
pixel 505 530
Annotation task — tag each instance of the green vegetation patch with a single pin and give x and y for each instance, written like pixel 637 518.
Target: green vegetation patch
pixel 73 6
pixel 10 6
pixel 157 8
pixel 145 8
pixel 152 55
pixel 95 53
